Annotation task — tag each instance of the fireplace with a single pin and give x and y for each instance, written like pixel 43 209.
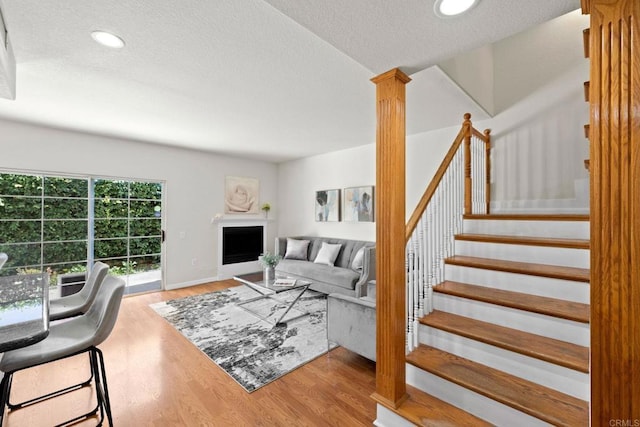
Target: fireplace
pixel 240 243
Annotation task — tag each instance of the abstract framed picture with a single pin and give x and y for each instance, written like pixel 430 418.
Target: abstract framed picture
pixel 241 195
pixel 327 205
pixel 357 204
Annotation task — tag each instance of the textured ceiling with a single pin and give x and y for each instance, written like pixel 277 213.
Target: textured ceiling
pixel 273 80
pixel 383 34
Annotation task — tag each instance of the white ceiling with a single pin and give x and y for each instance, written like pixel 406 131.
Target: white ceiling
pixel 274 79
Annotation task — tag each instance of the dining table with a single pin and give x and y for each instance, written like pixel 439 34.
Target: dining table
pixel 24 310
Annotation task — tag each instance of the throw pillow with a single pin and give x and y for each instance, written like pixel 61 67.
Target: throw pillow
pixel 358 260
pixel 296 249
pixel 328 253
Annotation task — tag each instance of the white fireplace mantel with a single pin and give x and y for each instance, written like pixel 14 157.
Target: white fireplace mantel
pixel 227 271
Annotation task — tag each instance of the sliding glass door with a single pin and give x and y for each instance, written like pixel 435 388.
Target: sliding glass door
pixel 63 224
pixel 127 226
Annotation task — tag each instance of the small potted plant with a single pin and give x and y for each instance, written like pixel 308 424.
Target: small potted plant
pixel 269 262
pixel 266 207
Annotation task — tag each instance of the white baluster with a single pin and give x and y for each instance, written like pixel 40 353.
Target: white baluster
pixel 451 214
pixel 431 257
pixel 421 238
pixel 424 266
pixel 441 233
pixel 416 284
pixel 473 175
pixel 484 177
pixel 409 310
pixel 457 171
pixel 479 174
pixel 476 167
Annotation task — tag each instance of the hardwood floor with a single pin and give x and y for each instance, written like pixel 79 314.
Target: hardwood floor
pixel 157 377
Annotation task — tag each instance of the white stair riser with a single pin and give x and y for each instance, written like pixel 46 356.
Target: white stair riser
pixel 567 290
pixel 567 257
pixel 559 378
pixel 474 403
pixel 539 324
pixel 388 418
pixel 559 229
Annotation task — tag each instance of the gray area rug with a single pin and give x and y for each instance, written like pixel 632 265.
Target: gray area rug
pixel 252 351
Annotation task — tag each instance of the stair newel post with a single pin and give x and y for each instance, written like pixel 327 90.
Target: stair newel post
pixel 614 134
pixel 391 303
pixel 466 125
pixel 487 188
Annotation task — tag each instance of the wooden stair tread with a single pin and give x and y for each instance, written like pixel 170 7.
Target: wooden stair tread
pixel 536 304
pixel 426 410
pixel 554 351
pixel 541 402
pixel 529 217
pixel 544 270
pixel 525 240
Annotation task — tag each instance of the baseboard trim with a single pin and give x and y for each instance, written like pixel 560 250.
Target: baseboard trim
pixel 171 286
pixel 542 206
pixel 387 418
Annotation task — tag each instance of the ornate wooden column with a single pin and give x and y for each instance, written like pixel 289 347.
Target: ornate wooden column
pixel 615 210
pixel 390 237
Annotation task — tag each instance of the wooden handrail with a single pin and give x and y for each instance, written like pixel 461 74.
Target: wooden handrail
pixel 480 135
pixel 431 189
pixel 466 132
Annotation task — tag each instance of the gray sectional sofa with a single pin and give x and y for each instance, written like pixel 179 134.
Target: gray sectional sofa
pixel 343 277
pixel 351 322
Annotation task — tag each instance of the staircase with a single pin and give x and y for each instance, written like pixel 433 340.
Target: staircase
pixel 507 340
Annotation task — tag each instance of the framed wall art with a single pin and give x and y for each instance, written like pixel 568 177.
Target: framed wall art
pixel 241 195
pixel 327 205
pixel 358 204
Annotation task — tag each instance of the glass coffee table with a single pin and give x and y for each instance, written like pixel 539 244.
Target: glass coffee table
pixel 270 290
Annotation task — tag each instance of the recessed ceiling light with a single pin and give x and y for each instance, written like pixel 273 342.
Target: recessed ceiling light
pixel 107 39
pixel 449 8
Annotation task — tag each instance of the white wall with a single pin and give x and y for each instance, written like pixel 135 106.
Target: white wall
pixel 298 181
pixel 539 147
pixel 194 185
pixel 526 62
pixel 538 155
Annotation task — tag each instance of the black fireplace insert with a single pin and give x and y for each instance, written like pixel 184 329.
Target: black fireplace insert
pixel 242 244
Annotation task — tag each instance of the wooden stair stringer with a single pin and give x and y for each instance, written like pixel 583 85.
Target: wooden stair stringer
pixel 533 399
